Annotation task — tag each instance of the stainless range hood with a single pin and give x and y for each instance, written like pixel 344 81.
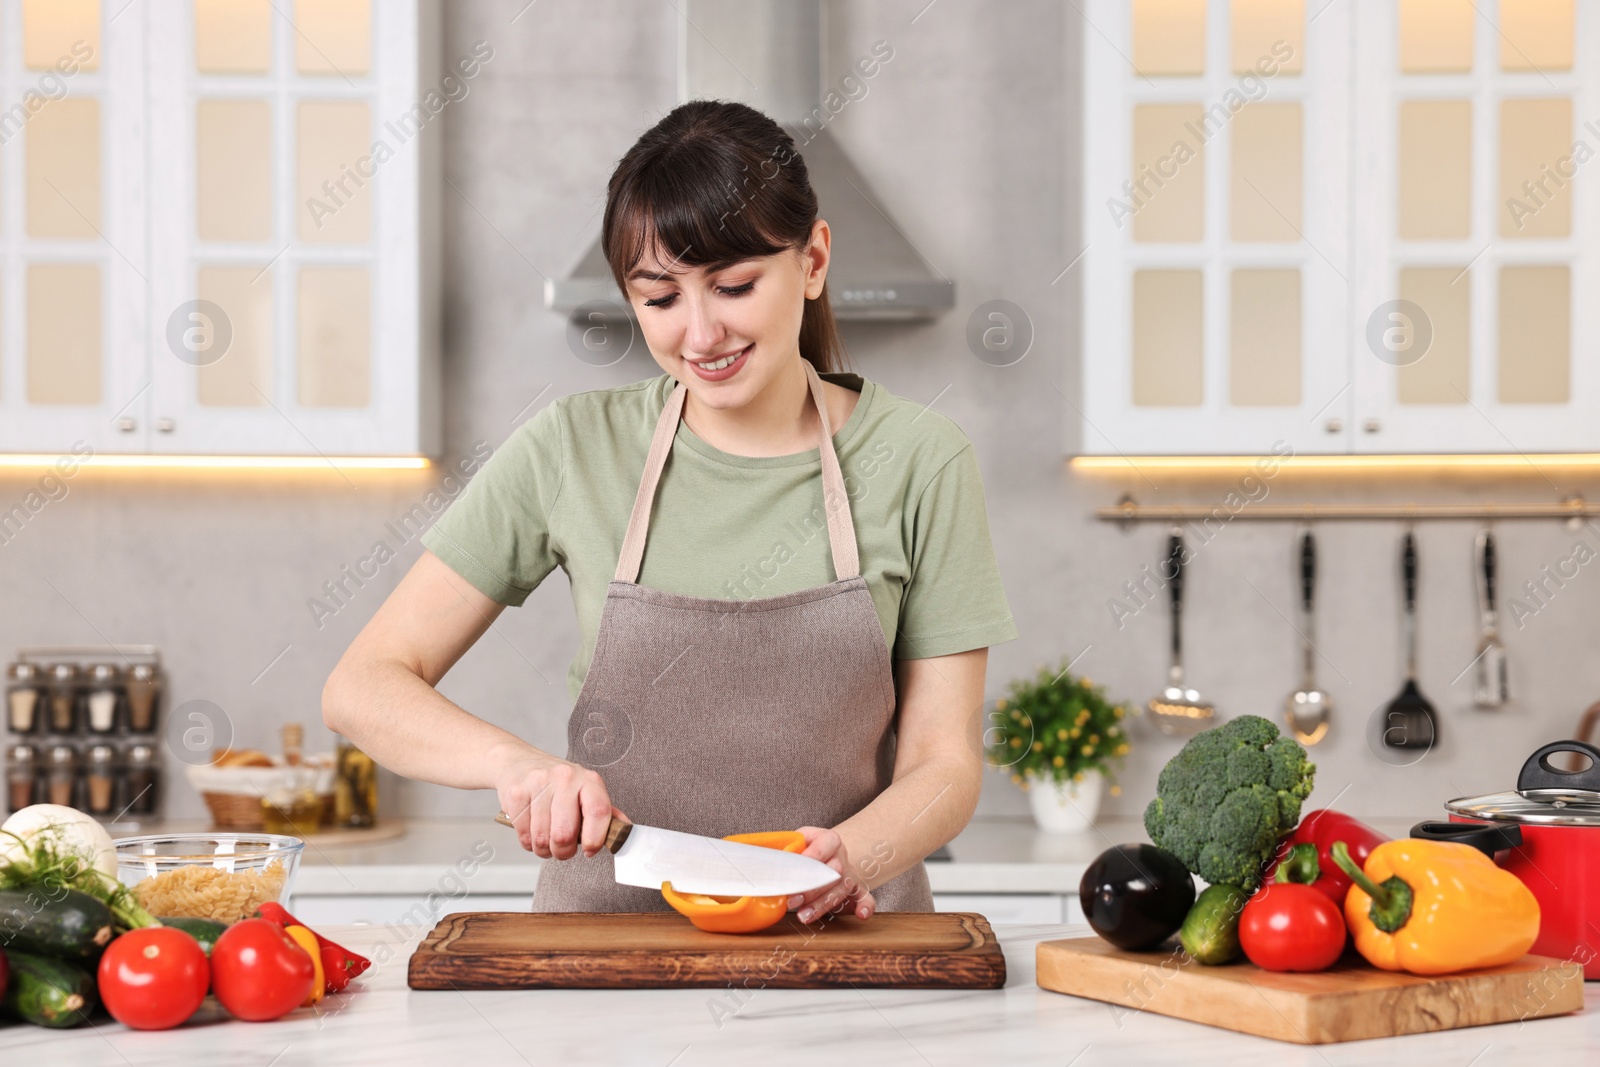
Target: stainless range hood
pixel 768 53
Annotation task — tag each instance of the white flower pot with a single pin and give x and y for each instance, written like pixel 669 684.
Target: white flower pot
pixel 1066 807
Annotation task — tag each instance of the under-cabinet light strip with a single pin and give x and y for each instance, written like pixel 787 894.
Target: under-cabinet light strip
pixel 1352 464
pixel 331 464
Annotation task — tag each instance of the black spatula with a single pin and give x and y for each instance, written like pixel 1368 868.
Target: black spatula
pixel 1409 720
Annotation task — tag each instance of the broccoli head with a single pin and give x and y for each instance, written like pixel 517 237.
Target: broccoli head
pixel 1223 802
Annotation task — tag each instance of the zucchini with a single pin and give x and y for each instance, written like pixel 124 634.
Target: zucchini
pixel 48 992
pixel 205 931
pixel 73 926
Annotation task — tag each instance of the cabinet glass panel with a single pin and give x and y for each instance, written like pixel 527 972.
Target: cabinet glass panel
pixel 233 36
pixel 1435 166
pixel 1267 176
pixel 1535 358
pixel 1263 29
pixel 242 375
pixel 334 203
pixel 335 36
pixel 1169 36
pixel 64 333
pixel 1441 373
pixel 1168 352
pixel 1436 36
pixel 233 170
pixel 1535 150
pixel 63 183
pixel 1536 35
pixel 1264 329
pixel 52 29
pixel 335 337
pixel 1169 173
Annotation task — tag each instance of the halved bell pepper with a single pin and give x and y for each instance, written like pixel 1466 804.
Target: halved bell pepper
pixel 1303 855
pixel 737 915
pixel 1436 907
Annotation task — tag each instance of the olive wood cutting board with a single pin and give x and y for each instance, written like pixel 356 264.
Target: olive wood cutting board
pixel 1351 1001
pixel 660 950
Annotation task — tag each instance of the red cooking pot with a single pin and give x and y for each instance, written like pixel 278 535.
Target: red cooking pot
pixel 1556 814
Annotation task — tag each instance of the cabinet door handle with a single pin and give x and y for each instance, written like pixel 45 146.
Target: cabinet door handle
pixel 1372 426
pixel 166 425
pixel 1333 425
pixel 127 424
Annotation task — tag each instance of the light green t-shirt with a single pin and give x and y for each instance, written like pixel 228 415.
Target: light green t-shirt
pixel 559 491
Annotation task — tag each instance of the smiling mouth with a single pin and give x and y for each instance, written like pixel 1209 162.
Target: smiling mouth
pixel 724 361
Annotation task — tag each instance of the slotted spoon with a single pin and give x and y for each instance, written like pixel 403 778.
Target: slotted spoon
pixel 1178 711
pixel 1409 720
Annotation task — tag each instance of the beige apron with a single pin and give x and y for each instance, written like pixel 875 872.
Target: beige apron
pixel 719 717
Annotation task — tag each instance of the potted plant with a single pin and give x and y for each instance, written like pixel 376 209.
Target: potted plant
pixel 1060 734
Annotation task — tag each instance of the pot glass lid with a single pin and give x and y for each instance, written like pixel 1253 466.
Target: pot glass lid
pixel 1552 807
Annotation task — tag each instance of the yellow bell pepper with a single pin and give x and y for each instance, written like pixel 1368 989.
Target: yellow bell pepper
pixel 1436 907
pixel 308 941
pixel 737 915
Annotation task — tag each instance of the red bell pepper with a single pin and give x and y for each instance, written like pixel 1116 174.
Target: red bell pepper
pixel 1303 856
pixel 339 964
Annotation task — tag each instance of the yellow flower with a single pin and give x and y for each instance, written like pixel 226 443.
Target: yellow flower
pixel 1015 714
pixel 1116 790
pixel 1094 739
pixel 1117 711
pixel 1075 732
pixel 1083 716
pixel 1061 734
pixel 1085 680
pixel 1027 720
pixel 1016 742
pixel 1088 750
pixel 1122 750
pixel 1059 762
pixel 1000 705
pixel 1038 746
pixel 1078 777
pixel 1017 778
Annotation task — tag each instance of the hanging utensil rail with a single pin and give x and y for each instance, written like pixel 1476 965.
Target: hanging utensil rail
pixel 1129 510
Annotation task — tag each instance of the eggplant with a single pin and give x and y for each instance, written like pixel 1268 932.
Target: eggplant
pixel 1136 896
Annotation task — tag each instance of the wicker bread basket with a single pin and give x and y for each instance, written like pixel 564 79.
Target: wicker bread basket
pixel 234 794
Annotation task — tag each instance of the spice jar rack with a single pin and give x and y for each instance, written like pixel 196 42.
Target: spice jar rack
pixel 82 723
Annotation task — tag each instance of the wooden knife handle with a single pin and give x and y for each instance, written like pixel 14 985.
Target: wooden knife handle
pixel 616 833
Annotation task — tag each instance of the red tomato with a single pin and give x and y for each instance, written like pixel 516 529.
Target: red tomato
pixel 258 972
pixel 153 978
pixel 1288 926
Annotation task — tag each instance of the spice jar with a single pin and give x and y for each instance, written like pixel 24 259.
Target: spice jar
pixel 22 776
pixel 101 776
pixel 143 689
pixel 144 779
pixel 24 698
pixel 105 693
pixel 63 698
pixel 61 779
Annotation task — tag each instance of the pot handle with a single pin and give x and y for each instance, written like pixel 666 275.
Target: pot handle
pixel 1537 773
pixel 1487 838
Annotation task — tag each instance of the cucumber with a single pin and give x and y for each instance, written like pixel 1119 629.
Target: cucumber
pixel 1210 932
pixel 205 931
pixel 69 926
pixel 49 992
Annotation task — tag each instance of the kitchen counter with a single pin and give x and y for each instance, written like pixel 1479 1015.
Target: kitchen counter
pixel 988 856
pixel 382 1021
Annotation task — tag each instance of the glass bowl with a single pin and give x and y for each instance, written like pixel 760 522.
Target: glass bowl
pixel 220 876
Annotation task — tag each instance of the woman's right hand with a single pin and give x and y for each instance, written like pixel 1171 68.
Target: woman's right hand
pixel 557 807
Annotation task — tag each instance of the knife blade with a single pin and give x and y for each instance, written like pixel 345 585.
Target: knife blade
pixel 647 856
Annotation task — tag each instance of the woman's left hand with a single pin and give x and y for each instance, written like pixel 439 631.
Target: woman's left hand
pixel 826 845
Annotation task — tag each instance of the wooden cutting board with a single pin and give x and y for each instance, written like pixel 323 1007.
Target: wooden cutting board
pixel 1352 1001
pixel 659 950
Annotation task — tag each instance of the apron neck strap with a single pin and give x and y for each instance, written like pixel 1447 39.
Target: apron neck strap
pixel 835 501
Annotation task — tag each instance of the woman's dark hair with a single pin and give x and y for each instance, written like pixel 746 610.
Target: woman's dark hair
pixel 712 183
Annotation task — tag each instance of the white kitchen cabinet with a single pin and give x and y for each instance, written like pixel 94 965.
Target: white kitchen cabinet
pixel 257 267
pixel 1008 907
pixel 1263 181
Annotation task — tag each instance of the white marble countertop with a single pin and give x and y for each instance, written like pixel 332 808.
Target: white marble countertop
pixel 988 856
pixel 382 1021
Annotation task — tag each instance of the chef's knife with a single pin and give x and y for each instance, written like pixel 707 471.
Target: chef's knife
pixel 647 856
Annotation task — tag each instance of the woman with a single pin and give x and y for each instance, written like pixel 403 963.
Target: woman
pixel 783 578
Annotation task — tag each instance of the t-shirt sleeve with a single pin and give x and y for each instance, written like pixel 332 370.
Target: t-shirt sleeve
pixel 497 534
pixel 954 600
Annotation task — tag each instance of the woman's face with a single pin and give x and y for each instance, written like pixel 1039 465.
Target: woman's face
pixel 728 331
